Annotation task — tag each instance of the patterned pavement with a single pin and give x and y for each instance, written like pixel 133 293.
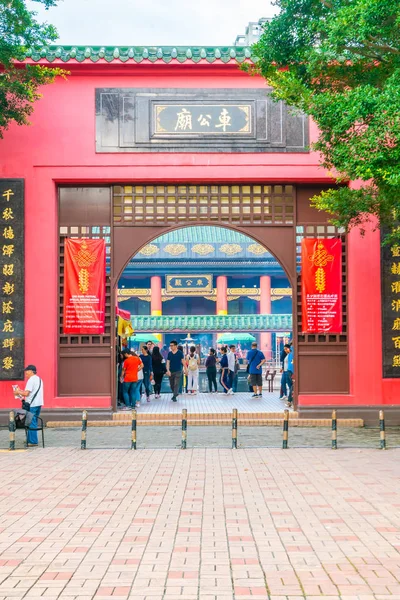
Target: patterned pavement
pixel 205 403
pixel 200 524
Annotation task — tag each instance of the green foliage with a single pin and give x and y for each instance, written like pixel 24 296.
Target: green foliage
pixel 19 85
pixel 339 61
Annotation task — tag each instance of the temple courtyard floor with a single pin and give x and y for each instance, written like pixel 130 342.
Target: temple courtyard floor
pixel 206 403
pixel 200 524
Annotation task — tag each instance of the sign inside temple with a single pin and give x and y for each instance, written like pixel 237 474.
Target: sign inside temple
pixel 12 294
pixel 390 281
pixel 321 285
pixel 188 284
pixel 84 286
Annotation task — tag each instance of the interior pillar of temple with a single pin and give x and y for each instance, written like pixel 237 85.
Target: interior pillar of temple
pixel 156 295
pixel 222 295
pixel 265 309
pixel 156 300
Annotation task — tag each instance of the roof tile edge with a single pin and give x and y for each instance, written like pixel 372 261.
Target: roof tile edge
pixel 137 54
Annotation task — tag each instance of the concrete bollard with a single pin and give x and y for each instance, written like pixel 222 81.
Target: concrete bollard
pixel 184 428
pixel 11 429
pixel 234 427
pixel 382 429
pixel 133 439
pixel 334 430
pixel 84 428
pixel 285 430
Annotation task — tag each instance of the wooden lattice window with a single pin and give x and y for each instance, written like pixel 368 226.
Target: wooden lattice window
pixel 232 204
pixel 92 232
pixel 321 231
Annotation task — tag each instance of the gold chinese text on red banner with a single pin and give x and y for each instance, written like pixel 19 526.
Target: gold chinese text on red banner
pixel 84 286
pixel 321 285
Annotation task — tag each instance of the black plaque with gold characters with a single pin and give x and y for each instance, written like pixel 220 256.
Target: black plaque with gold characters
pixel 390 279
pixel 196 120
pixel 12 293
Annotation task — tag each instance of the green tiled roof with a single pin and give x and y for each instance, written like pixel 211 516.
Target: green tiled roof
pixel 204 234
pixel 137 54
pixel 220 323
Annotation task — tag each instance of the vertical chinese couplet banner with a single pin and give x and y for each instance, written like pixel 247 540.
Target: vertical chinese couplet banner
pixel 84 286
pixel 12 293
pixel 390 285
pixel 321 285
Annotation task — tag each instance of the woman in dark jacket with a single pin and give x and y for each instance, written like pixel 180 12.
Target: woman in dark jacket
pixel 159 369
pixel 145 357
pixel 211 370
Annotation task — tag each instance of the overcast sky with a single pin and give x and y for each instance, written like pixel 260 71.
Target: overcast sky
pixel 152 22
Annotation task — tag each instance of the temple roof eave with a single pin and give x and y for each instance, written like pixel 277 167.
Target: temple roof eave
pixel 140 54
pixel 213 323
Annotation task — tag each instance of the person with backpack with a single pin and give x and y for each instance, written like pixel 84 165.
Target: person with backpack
pixel 33 400
pixel 193 362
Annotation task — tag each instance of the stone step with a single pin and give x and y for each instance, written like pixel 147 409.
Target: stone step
pixel 126 415
pixel 246 421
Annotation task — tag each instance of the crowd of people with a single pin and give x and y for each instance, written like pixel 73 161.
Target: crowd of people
pixel 141 374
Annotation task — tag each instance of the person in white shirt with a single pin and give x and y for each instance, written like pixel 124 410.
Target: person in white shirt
pixel 192 362
pixel 33 394
pixel 231 366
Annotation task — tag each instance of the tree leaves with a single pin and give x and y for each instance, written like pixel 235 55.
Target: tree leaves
pixel 19 85
pixel 339 61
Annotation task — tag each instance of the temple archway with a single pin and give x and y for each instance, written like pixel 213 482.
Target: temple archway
pixel 202 282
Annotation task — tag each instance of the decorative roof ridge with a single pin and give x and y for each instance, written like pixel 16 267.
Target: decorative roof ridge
pixel 138 54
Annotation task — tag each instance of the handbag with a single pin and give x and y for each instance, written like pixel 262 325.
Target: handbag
pixel 27 405
pixel 248 366
pixel 140 375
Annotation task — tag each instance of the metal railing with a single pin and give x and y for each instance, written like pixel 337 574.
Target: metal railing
pixel 184 430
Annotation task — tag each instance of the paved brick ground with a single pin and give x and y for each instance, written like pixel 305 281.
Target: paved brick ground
pixel 210 437
pixel 200 524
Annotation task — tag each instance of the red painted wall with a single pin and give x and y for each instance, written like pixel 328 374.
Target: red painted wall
pixel 59 147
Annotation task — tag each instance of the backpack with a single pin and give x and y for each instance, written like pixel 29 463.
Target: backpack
pixel 193 366
pixel 23 418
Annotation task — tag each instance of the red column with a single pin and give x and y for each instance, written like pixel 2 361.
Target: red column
pixel 265 309
pixel 222 295
pixel 156 299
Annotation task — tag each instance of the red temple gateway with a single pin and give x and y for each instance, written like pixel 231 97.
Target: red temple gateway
pixel 135 120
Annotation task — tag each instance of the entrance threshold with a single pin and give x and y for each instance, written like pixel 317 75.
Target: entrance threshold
pixel 206 403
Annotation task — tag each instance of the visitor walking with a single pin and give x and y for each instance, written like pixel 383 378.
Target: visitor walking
pixel 211 370
pixel 130 379
pixel 159 369
pixel 33 395
pixel 175 366
pixel 255 359
pixel 232 365
pixel 192 362
pixel 287 375
pixel 120 362
pixel 183 381
pixel 224 374
pixel 145 357
pixel 282 394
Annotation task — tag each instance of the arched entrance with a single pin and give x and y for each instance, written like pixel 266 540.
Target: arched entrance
pixel 264 213
pixel 202 285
